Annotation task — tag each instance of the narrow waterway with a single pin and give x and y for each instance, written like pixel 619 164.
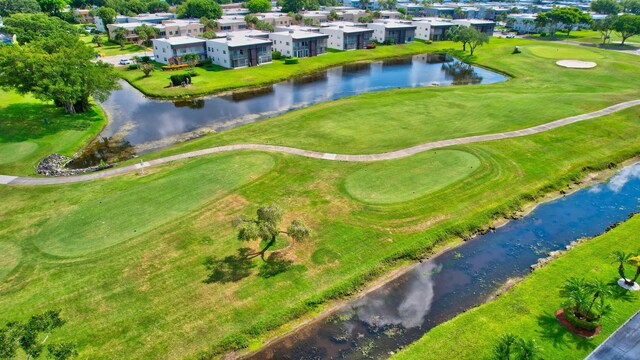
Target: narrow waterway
pixel 151 124
pixel 437 290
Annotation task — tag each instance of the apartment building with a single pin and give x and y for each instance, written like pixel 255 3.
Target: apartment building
pixel 170 50
pixel 299 43
pixel 392 32
pixel 231 24
pixel 433 29
pixel 347 37
pixel 239 51
pixel 83 16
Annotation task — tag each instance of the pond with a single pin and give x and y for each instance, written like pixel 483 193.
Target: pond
pixel 151 124
pixel 437 290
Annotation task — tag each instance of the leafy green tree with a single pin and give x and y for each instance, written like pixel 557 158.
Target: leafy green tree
pixel 621 258
pixel 157 6
pixel 258 6
pixel 607 7
pixel 631 6
pixel 477 38
pixel 461 34
pixel 209 24
pixel 200 8
pixel 52 6
pixel 605 27
pixel 107 15
pixel 333 15
pixel 146 33
pixel 30 27
pixel 295 6
pixel 458 13
pixel 147 69
pixel 627 25
pixel 98 40
pixel 565 18
pixel 365 19
pixel 265 227
pixel 10 7
pixel 58 69
pixel 120 37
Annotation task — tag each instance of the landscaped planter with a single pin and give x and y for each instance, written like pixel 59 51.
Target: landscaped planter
pixel 574 326
pixel 623 284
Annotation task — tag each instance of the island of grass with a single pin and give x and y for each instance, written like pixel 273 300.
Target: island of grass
pixel 130 277
pixel 528 308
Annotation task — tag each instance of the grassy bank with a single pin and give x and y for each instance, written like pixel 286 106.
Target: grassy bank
pixel 528 309
pixel 110 48
pixel 25 136
pixel 215 79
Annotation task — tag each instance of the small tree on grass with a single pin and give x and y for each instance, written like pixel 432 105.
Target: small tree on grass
pixel 627 25
pixel 265 227
pixel 461 34
pixel 605 27
pixel 477 39
pixel 581 296
pixel 147 69
pixel 621 258
pixel 98 40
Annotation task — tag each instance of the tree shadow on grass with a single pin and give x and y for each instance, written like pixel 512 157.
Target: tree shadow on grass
pixel 621 294
pixel 229 269
pixel 275 264
pixel 552 331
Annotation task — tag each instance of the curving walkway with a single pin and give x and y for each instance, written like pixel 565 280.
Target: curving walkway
pixel 15 180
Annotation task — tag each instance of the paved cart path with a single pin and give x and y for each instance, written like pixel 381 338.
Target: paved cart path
pixel 16 180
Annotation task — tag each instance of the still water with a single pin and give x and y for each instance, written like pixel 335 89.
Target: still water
pixel 151 124
pixel 435 291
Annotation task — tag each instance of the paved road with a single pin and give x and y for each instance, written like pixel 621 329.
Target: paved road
pixel 14 180
pixel 623 344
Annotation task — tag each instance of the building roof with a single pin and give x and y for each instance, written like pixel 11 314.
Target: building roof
pixel 182 40
pixel 237 41
pixel 348 29
pixel 296 34
pixel 623 344
pixel 393 24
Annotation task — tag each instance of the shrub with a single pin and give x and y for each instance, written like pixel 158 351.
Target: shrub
pixel 175 67
pixel 371 46
pixel 145 59
pixel 429 42
pixel 276 55
pixel 179 79
pixel 133 66
pixel 579 323
pixel 289 61
pixel 543 34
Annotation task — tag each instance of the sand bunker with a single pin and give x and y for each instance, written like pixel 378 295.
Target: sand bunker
pixel 576 64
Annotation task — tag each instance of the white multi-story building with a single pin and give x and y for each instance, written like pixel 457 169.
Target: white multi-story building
pixel 392 32
pixel 434 29
pixel 299 43
pixel 170 51
pixel 239 51
pixel 347 37
pixel 231 23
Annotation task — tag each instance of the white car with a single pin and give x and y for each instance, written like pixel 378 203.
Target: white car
pixel 125 61
pixel 510 36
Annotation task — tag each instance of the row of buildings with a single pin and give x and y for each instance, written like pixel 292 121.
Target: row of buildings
pixel 248 47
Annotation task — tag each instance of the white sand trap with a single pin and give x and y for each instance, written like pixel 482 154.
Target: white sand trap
pixel 576 64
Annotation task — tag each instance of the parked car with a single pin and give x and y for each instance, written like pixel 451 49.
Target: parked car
pixel 125 61
pixel 510 36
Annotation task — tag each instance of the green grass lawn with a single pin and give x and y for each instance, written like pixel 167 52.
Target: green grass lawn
pixel 123 257
pixel 110 48
pixel 592 37
pixel 25 138
pixel 528 309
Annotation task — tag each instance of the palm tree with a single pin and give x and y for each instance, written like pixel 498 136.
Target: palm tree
pixel 576 293
pixel 97 39
pixel 600 291
pixel 529 350
pixel 504 348
pixel 635 262
pixel 621 258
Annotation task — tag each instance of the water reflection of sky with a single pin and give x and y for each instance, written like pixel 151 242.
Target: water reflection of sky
pixel 141 120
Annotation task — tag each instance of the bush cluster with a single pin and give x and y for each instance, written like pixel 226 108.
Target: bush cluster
pixel 179 79
pixel 174 67
pixel 289 61
pixel 579 323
